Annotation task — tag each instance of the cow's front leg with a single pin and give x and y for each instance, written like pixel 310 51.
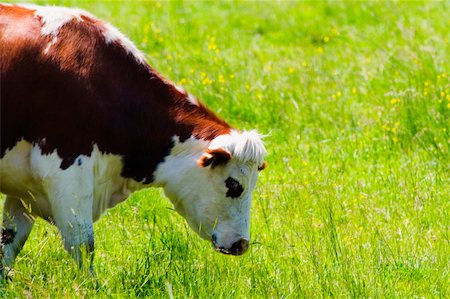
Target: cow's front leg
pixel 16 227
pixel 73 217
pixel 70 194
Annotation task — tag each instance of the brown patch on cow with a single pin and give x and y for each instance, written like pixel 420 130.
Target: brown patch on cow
pixel 83 91
pixel 214 158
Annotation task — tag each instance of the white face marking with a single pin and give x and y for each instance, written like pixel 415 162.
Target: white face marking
pixel 200 193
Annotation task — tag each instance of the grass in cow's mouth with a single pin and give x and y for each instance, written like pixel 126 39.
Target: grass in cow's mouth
pixel 356 202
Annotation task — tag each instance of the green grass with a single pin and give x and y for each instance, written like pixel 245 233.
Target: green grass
pixel 355 98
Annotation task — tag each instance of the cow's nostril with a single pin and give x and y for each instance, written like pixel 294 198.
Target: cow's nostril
pixel 239 247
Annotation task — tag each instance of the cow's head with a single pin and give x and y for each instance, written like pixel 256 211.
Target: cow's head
pixel 211 186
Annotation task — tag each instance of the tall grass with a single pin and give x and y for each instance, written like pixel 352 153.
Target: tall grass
pixel 356 200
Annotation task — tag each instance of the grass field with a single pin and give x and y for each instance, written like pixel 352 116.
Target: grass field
pixel 355 98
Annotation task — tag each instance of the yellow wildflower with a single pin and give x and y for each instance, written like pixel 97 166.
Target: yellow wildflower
pixel 395 101
pixel 206 81
pixel 212 46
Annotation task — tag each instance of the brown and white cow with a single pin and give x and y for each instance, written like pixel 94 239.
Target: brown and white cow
pixel 85 121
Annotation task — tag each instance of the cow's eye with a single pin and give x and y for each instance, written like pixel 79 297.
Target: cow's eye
pixel 234 188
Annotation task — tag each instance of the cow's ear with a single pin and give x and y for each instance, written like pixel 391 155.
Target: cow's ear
pixel 214 158
pixel 263 166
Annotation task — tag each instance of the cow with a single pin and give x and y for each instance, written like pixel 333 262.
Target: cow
pixel 86 121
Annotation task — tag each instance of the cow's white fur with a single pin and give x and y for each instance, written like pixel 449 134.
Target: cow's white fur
pixel 245 146
pixel 192 100
pixel 28 174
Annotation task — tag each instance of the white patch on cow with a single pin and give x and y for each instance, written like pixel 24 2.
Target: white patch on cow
pixel 53 18
pixel 199 193
pixel 113 35
pixel 192 100
pixel 16 173
pixel 110 188
pixel 180 89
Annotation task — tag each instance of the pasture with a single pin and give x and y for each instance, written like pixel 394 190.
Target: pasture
pixel 355 100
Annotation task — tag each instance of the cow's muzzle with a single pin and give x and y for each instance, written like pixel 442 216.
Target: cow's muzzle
pixel 239 247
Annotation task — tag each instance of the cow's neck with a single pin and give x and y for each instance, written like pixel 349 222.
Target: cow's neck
pixel 172 115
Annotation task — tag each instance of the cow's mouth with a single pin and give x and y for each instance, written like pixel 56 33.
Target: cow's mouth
pixel 238 247
pixel 220 249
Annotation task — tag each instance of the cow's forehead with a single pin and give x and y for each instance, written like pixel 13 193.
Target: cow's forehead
pixel 245 147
